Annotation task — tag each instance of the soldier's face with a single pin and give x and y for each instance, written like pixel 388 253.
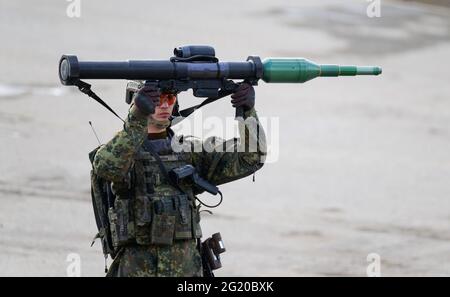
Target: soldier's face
pixel 164 110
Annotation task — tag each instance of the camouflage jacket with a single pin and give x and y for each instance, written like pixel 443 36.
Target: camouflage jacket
pixel 217 161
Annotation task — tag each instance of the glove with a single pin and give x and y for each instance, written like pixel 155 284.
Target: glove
pixel 146 99
pixel 244 96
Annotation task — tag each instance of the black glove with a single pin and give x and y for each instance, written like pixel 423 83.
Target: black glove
pixel 244 96
pixel 146 99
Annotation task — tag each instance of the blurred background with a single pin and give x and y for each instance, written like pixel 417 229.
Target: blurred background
pixel 363 163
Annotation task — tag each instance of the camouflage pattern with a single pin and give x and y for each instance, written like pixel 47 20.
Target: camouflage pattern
pixel 217 161
pixel 181 259
pixel 224 161
pixel 113 160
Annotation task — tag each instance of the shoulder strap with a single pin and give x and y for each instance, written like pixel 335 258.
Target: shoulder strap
pixel 86 88
pixel 188 111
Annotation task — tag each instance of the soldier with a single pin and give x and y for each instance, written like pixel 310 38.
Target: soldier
pixel 154 223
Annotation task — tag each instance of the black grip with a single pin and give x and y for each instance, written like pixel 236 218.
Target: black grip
pixel 239 112
pixel 205 185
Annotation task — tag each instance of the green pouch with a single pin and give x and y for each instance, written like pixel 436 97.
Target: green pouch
pixel 183 225
pixel 143 218
pixel 112 216
pixel 122 229
pixel 197 228
pixel 163 228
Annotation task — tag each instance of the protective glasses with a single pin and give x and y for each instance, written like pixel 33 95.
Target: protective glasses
pixel 167 97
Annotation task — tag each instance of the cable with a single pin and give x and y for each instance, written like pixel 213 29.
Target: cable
pixel 211 206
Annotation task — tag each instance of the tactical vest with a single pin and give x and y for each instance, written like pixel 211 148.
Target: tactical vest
pixel 153 211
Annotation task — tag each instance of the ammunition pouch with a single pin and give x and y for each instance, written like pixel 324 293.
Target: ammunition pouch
pixel 121 223
pixel 164 219
pixel 154 220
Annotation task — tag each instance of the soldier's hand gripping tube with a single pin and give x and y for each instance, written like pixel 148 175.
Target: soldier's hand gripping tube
pixel 210 251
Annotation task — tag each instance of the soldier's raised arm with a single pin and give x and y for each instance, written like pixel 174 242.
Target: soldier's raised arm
pixel 221 162
pixel 113 160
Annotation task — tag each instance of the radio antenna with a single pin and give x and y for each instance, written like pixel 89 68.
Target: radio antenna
pixel 93 130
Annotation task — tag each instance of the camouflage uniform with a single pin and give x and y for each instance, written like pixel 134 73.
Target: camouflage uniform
pixel 118 160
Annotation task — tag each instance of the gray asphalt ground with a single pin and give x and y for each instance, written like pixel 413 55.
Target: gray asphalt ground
pixel 359 165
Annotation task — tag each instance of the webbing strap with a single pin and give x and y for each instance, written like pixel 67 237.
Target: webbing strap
pixel 86 88
pixel 187 111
